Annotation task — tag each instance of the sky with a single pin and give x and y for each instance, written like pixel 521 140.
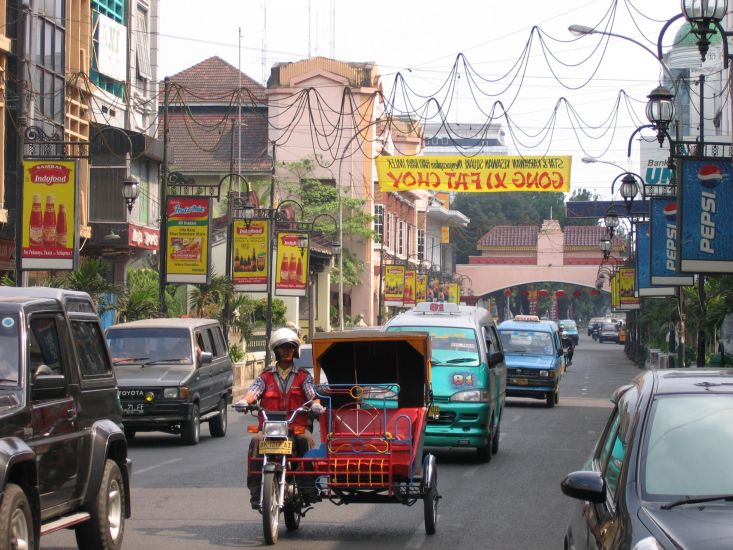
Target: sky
pixel 420 40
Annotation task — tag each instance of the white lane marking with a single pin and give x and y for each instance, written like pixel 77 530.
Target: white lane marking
pixel 470 472
pixel 419 537
pixel 519 416
pixel 156 466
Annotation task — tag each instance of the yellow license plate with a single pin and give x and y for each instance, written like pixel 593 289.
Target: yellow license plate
pixel 521 381
pixel 276 447
pixel 434 412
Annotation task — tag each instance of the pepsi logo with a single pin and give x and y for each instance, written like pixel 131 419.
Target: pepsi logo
pixel 710 176
pixel 670 212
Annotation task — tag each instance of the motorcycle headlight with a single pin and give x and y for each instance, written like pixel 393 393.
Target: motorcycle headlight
pixel 170 393
pixel 477 396
pixel 649 543
pixel 275 429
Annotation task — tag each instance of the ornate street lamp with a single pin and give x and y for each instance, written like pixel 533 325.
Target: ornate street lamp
pixel 660 111
pixel 130 191
pixel 629 190
pixel 611 222
pixel 704 17
pixel 605 246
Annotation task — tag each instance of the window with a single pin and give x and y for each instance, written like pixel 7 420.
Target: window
pixel 388 232
pixel 207 341
pixel 219 338
pixel 421 245
pixel 48 81
pixel 216 346
pixel 610 459
pixel 89 345
pixel 143 47
pixel 401 238
pixel 44 348
pixel 379 221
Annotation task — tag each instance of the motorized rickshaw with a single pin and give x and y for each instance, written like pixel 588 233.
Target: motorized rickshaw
pixel 371 436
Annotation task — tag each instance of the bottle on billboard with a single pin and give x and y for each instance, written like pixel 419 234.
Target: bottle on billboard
pixel 49 223
pixel 284 265
pixel 299 271
pixel 291 268
pixel 61 228
pixel 35 231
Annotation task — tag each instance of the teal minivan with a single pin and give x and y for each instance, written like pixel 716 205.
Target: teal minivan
pixel 468 374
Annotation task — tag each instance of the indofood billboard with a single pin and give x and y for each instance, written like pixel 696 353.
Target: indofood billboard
pixel 705 223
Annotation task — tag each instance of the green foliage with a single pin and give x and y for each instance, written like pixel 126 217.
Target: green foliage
pixel 208 300
pixel 236 353
pixel 139 299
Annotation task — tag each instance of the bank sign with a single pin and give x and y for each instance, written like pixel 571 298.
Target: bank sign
pixel 664 246
pixel 705 222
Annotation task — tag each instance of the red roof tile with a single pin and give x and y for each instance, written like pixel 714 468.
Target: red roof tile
pixel 587 236
pixel 214 80
pixel 509 235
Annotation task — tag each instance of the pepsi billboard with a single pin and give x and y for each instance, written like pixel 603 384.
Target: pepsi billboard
pixel 705 223
pixel 663 243
pixel 644 285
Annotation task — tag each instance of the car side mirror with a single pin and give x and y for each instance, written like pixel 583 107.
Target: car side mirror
pixel 585 486
pixel 496 358
pixel 206 357
pixel 48 386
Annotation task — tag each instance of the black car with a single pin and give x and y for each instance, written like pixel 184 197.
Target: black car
pixel 659 477
pixel 173 374
pixel 63 453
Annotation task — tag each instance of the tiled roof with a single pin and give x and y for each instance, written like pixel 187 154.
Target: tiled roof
pixel 587 236
pixel 509 235
pixel 215 81
pixel 206 142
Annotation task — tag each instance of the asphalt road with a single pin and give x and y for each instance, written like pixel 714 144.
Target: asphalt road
pixel 187 498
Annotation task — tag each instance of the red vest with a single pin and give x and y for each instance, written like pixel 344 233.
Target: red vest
pixel 272 399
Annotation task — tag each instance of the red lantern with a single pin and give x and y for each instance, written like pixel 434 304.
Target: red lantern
pixel 560 293
pixel 577 293
pixel 507 292
pixel 542 293
pixel 525 293
pixel 593 292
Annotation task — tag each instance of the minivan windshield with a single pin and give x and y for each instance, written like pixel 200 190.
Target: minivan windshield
pixel 451 346
pixel 149 346
pixel 9 350
pixel 527 341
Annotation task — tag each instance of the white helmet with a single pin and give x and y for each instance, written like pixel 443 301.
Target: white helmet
pixel 285 336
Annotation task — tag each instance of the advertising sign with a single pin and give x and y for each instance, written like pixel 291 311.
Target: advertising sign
pixel 49 215
pixel 291 268
pixel 410 290
pixel 454 293
pixel 644 285
pixel 705 221
pixel 189 240
pixel 654 167
pixel 112 48
pixel 614 291
pixel 444 234
pixel 250 255
pixel 394 285
pixel 457 174
pixel 626 292
pixel 664 247
pixel 143 237
pixel 421 287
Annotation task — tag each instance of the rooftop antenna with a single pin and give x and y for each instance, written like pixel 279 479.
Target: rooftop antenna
pixel 239 111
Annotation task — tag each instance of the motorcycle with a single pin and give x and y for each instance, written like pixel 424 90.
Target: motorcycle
pixel 568 350
pixel 279 491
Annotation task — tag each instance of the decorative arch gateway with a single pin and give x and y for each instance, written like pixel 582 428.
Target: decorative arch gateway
pixel 520 255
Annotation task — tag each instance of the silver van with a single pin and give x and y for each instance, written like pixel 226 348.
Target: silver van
pixel 172 374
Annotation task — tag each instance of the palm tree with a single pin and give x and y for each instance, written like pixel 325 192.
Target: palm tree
pixel 208 300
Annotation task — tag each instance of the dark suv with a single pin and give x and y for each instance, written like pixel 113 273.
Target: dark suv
pixel 173 374
pixel 63 453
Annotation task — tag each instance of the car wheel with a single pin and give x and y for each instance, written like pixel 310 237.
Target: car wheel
pixel 557 397
pixel 16 524
pixel 550 400
pixel 495 439
pixel 483 454
pixel 107 524
pixel 218 424
pixel 191 430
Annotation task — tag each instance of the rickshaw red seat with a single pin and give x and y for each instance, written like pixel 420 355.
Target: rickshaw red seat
pixel 402 424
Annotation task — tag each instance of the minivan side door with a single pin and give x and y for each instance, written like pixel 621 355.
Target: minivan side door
pixel 497 373
pixel 205 373
pixel 221 363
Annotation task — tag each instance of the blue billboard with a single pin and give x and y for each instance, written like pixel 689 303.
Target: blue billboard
pixel 705 229
pixel 664 249
pixel 644 285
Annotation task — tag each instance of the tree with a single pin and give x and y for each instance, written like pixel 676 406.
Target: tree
pixel 139 298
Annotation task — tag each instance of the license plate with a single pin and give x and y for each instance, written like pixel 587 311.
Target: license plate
pixel 276 447
pixel 132 408
pixel 434 412
pixel 521 381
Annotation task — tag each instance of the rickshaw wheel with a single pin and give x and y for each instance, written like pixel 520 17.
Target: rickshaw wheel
pixel 291 511
pixel 430 501
pixel 270 508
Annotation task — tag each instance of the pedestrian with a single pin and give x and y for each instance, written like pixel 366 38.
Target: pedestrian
pixel 283 387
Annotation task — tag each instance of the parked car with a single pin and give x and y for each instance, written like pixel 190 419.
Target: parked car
pixel 468 374
pixel 63 454
pixel 570 328
pixel 534 359
pixel 659 476
pixel 608 332
pixel 173 374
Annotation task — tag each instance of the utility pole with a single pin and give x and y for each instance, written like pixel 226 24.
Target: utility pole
pixel 163 250
pixel 270 264
pixel 22 62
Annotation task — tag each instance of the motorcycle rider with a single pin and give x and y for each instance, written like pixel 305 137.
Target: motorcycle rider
pixel 283 387
pixel 568 347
